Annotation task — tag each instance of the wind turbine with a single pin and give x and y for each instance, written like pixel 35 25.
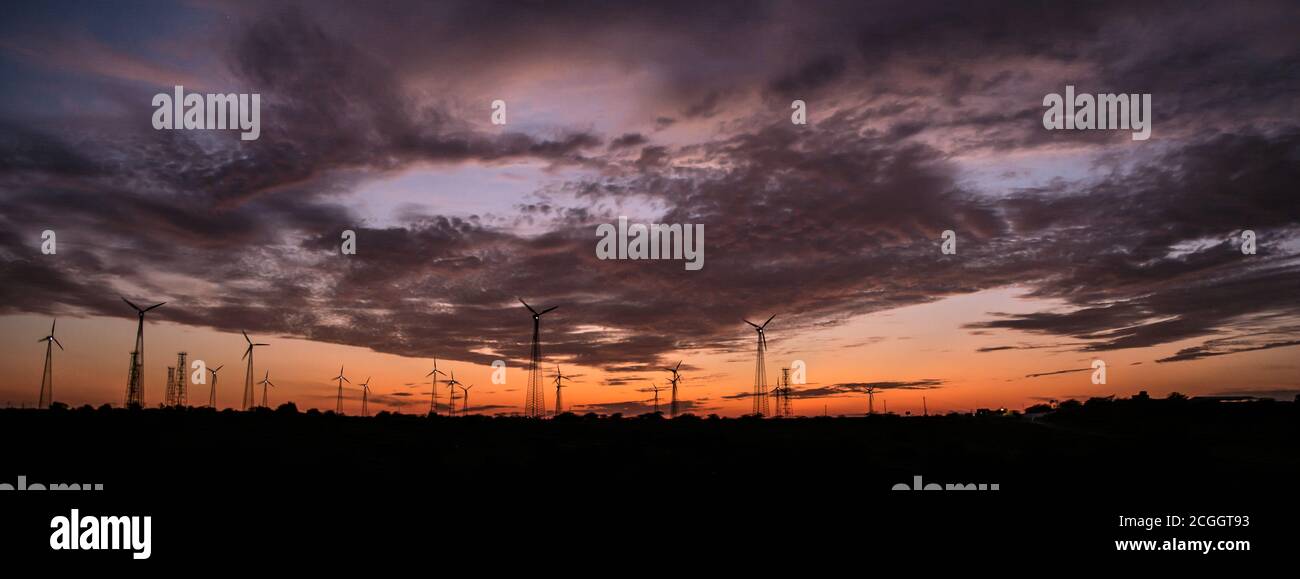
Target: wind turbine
pixel 338 404
pixel 212 392
pixel 535 404
pixel 365 397
pixel 760 368
pixel 464 402
pixel 451 389
pixel 783 391
pixel 560 377
pixel 655 389
pixel 871 398
pixel 677 377
pixel 47 378
pixel 135 379
pixel 433 402
pixel 266 381
pixel 248 376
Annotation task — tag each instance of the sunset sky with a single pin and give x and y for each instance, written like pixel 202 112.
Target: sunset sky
pixel 375 117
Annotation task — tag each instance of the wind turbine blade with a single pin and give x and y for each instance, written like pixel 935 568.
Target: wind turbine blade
pixel 52 323
pixel 548 309
pixel 56 341
pixel 246 336
pixel 679 365
pixel 246 352
pixel 267 376
pixel 530 308
pixel 154 306
pixel 345 379
pixel 46 338
pixel 751 323
pixel 219 368
pixel 261 344
pixel 769 320
pixel 133 306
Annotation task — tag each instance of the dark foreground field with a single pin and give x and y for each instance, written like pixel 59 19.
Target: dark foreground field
pixel 234 488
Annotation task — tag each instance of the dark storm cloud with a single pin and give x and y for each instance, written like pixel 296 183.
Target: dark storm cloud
pixel 816 223
pixel 1223 347
pixel 1157 258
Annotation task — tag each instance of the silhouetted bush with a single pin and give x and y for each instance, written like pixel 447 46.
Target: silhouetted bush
pixel 1069 405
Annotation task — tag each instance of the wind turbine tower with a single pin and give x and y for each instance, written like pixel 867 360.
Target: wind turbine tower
pixel 433 401
pixel 266 381
pixel 212 392
pixel 760 368
pixel 135 379
pixel 365 397
pixel 451 383
pixel 338 402
pixel 783 392
pixel 171 386
pixel 47 379
pixel 535 404
pixel 677 377
pixel 560 377
pixel 654 388
pixel 248 376
pixel 178 383
pixel 464 401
